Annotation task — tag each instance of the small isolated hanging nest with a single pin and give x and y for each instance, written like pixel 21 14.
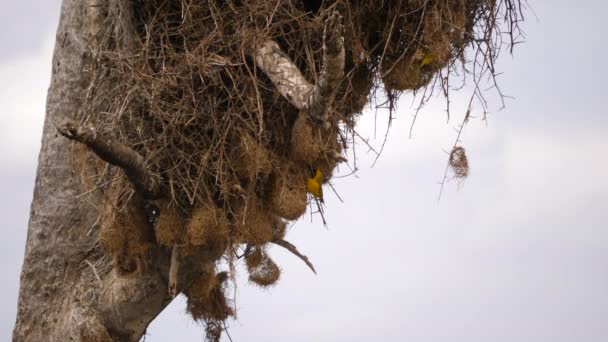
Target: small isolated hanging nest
pixel 458 162
pixel 262 270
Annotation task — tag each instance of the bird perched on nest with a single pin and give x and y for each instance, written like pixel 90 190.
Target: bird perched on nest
pixel 314 185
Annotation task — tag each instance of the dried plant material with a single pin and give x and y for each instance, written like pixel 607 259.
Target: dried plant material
pixel 254 222
pixel 207 299
pixel 192 93
pixel 125 233
pixel 288 197
pixel 207 224
pixel 264 272
pixel 311 144
pixel 458 162
pixel 254 257
pixel 404 74
pixel 361 83
pixel 169 226
pixel 252 159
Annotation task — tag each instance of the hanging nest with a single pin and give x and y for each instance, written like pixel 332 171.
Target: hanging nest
pixel 208 223
pixel 125 232
pixel 169 226
pixel 207 299
pixel 459 163
pixel 176 81
pixel 262 270
pixel 181 88
pixel 288 194
pixel 251 159
pixel 311 143
pixel 253 222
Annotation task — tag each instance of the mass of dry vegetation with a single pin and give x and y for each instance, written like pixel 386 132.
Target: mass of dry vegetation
pixel 204 119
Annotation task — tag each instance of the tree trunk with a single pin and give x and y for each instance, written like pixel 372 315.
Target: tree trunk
pixel 69 291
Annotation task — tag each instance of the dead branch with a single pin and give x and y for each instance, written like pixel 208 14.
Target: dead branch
pixel 288 246
pixel 284 74
pixel 117 154
pixel 332 69
pixel 291 84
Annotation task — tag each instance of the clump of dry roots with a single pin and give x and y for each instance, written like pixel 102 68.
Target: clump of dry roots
pixel 217 145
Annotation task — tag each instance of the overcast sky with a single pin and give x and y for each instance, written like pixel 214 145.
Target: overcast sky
pixel 518 252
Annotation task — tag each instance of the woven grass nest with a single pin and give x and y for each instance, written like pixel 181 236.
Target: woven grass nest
pixel 178 83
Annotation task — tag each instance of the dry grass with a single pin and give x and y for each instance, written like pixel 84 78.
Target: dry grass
pixel 263 271
pixel 206 298
pixel 169 228
pixel 178 85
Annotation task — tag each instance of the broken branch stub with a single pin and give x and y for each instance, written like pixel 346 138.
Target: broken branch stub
pixel 332 69
pixel 293 86
pixel 117 154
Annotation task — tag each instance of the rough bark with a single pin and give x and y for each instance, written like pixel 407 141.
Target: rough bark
pixel 68 289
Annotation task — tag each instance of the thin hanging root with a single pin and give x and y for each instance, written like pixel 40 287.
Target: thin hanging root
pixel 174 271
pixel 117 154
pixel 291 84
pixel 288 246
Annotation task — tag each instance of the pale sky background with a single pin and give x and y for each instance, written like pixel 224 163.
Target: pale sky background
pixel 519 252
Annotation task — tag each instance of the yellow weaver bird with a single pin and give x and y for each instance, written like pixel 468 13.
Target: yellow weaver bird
pixel 314 185
pixel 427 59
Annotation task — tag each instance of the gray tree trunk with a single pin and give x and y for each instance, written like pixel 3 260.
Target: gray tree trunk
pixel 68 290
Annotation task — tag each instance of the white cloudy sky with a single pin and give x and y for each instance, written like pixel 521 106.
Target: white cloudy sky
pixel 519 252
